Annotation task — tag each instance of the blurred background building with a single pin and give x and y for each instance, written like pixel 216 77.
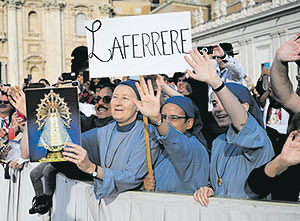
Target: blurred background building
pixel 39 37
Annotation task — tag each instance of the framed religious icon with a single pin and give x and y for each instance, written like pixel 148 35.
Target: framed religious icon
pixel 52 121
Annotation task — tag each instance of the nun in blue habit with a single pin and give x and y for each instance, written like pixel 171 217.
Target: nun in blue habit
pixel 183 164
pixel 117 152
pixel 236 153
pixel 244 146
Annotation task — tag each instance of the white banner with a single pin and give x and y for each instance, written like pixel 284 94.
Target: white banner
pixel 138 45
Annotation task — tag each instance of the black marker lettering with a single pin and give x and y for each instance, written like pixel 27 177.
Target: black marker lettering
pixel 174 41
pixel 163 42
pixel 93 30
pixel 125 45
pixel 134 46
pixel 147 44
pixel 154 42
pixel 114 47
pixel 182 40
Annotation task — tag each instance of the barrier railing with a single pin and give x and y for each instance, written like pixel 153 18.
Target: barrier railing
pixel 74 200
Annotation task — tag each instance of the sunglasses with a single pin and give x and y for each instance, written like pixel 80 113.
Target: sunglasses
pixel 105 99
pixel 182 80
pixel 172 117
pixel 4 102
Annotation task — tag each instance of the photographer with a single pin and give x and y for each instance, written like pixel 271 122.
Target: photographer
pixel 228 67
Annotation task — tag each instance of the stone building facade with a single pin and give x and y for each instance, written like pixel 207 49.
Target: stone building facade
pixel 37 37
pixel 255 28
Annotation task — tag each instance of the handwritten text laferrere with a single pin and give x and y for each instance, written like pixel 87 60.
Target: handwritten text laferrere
pixel 115 50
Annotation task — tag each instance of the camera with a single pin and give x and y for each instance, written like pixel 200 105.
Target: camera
pixel 69 76
pixel 207 49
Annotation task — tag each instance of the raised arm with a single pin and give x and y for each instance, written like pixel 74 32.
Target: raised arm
pixel 281 85
pixel 166 88
pixel 17 99
pixel 230 63
pixel 289 156
pixel 205 72
pixel 149 105
pixel 263 181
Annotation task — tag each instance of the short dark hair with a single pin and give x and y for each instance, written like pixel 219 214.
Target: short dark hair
pixel 109 85
pixel 177 75
pixel 166 78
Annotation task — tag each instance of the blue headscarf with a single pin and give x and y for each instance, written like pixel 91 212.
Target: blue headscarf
pixel 191 111
pixel 244 96
pixel 131 84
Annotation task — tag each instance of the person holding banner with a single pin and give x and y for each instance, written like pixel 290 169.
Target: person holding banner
pixel 243 147
pixel 183 164
pixel 115 155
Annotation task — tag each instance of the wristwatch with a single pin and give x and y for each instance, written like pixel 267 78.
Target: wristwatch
pixel 157 124
pixel 94 174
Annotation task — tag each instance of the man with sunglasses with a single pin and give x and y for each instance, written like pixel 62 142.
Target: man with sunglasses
pixel 6 110
pixel 103 110
pixel 183 163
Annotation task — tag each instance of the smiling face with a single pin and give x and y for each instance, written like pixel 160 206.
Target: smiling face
pixel 181 124
pixel 219 113
pixel 124 110
pixel 103 110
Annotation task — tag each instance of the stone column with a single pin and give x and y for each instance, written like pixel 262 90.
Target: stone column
pixel 244 57
pixel 13 49
pixel 252 58
pixel 54 40
pixel 20 44
pixel 3 73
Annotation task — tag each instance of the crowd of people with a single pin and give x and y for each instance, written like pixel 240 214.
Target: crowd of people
pixel 209 135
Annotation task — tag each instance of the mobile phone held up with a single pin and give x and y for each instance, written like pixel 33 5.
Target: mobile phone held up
pixel 207 49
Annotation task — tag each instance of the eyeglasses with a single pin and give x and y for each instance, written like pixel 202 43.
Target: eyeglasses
pixel 4 102
pixel 105 99
pixel 172 117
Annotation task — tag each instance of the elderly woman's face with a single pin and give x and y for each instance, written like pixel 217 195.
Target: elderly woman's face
pixel 123 109
pixel 219 112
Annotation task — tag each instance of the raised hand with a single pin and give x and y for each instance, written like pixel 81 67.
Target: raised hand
pixel 202 194
pixel 290 154
pixel 4 88
pixel 290 50
pixel 203 67
pixel 17 99
pixel 149 105
pixel 160 81
pixel 217 51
